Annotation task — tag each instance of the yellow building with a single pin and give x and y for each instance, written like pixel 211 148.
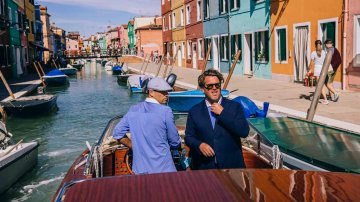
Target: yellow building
pixel 295 26
pixel 178 31
pixel 47 34
pixel 30 20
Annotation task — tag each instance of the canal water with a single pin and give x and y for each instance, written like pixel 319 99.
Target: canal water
pixel 85 106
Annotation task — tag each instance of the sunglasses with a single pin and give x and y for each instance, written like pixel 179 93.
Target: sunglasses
pixel 211 86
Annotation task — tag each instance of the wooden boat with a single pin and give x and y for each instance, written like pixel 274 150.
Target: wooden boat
pixel 77 66
pixel 306 145
pixel 103 172
pixel 182 101
pixel 134 83
pixel 56 78
pixel 123 78
pixel 103 62
pixel 15 159
pixel 31 105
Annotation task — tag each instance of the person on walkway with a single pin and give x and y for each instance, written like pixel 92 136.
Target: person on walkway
pixel 214 127
pixel 317 61
pixel 335 63
pixel 153 131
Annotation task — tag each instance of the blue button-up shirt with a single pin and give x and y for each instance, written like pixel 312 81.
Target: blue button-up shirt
pixel 153 132
pixel 212 114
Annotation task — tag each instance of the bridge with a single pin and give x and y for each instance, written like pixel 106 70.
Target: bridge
pixel 91 56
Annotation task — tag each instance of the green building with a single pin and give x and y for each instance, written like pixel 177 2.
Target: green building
pixel 15 20
pixel 131 34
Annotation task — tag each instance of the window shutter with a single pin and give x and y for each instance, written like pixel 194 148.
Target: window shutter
pixel 267 41
pixel 226 6
pixel 220 6
pixel 330 31
pixel 282 35
pixel 221 47
pixel 232 46
pixel 238 3
pixel 239 45
pixel 231 4
pixel 257 44
pixel 204 9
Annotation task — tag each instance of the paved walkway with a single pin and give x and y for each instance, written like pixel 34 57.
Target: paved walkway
pixel 284 97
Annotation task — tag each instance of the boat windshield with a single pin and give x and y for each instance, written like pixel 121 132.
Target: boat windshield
pixel 320 145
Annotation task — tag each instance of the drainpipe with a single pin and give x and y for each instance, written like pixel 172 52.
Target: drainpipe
pixel 344 62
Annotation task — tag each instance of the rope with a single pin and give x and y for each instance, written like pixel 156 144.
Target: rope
pixel 96 162
pixel 101 162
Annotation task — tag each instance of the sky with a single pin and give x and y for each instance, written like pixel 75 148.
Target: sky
pixel 91 16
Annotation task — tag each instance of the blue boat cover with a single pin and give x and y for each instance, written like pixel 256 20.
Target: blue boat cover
pixel 117 68
pixel 55 72
pixel 250 108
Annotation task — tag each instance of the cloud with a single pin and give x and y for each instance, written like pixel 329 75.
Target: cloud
pixel 138 7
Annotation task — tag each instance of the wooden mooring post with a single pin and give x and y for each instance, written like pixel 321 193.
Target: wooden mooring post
pixel 236 59
pixel 7 86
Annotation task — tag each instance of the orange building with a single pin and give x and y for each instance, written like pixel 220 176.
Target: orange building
pixel 149 39
pixel 295 25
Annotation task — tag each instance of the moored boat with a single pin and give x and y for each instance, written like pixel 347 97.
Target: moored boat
pixel 103 62
pixel 31 105
pixel 56 78
pixel 135 82
pixel 123 78
pixel 15 159
pixel 116 69
pixel 68 70
pixel 182 101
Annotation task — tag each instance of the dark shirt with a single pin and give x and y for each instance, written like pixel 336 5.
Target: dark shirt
pixel 336 59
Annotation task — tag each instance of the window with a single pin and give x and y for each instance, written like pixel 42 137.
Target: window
pixel 174 21
pixel 206 9
pixel 207 44
pixel 169 22
pixel 200 49
pixel 2 7
pixel 223 6
pixel 10 15
pixel 280 45
pixel 234 4
pixel 328 31
pixel 189 49
pixel 357 42
pixel 224 47
pixel 198 10
pixel 183 49
pixel 175 49
pixel 16 20
pixel 182 17
pixel 262 46
pixel 235 45
pixel 188 14
pixel 2 56
pixel 163 22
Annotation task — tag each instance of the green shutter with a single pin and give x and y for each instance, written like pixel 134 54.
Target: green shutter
pixel 240 46
pixel 231 4
pixel 221 47
pixel 257 45
pixel 330 32
pixel 205 10
pixel 220 6
pixel 232 46
pixel 282 47
pixel 226 6
pixel 267 41
pixel 238 3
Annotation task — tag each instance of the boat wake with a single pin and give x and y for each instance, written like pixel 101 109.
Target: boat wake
pixel 59 152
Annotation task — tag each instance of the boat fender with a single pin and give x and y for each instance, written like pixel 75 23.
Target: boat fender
pixel 171 79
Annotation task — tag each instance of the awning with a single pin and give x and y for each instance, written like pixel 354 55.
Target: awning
pixel 39 47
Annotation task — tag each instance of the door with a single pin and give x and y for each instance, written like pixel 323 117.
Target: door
pixel 18 62
pixel 194 56
pixel 215 52
pixel 179 56
pixel 248 58
pixel 301 52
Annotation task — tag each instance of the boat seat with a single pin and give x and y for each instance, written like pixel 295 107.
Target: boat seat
pixel 250 108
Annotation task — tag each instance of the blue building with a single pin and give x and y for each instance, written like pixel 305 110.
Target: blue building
pixel 249 29
pixel 216 32
pixel 39 40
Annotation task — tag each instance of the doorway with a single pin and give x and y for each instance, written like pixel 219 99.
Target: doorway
pixel 248 56
pixel 194 56
pixel 179 56
pixel 301 52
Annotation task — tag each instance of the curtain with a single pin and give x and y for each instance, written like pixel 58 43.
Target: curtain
pixel 301 49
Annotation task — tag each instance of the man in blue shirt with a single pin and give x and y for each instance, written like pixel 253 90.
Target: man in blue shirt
pixel 214 127
pixel 153 131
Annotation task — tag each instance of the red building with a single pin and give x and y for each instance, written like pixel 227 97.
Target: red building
pixel 5 63
pixel 195 55
pixel 166 29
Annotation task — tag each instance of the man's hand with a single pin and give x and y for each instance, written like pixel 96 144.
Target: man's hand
pixel 206 150
pixel 216 108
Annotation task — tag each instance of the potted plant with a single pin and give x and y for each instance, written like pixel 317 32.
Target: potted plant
pixel 261 56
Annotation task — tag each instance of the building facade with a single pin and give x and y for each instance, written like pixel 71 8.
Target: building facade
pixel 216 29
pixel 149 40
pixel 39 37
pixel 166 31
pixel 30 29
pixel 5 48
pixel 249 31
pixel 123 37
pixel 295 26
pixel 47 34
pixel 131 35
pixel 178 31
pixel 15 39
pixel 194 34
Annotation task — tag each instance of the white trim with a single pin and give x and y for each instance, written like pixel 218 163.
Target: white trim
pixel 303 24
pixel 188 15
pixel 276 44
pixel 200 48
pixel 199 10
pixel 355 38
pixel 336 20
